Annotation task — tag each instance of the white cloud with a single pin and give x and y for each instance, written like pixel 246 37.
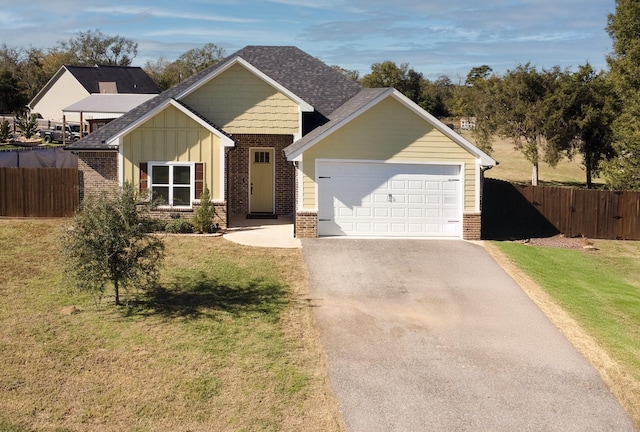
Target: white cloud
pixel 165 13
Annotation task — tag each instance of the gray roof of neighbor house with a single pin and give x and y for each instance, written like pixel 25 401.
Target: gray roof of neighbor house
pixel 318 84
pixel 128 79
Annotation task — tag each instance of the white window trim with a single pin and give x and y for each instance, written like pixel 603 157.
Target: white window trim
pixel 192 181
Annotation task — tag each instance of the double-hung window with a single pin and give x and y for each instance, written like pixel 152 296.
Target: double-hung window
pixel 173 183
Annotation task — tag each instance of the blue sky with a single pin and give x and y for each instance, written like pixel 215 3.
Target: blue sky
pixel 435 37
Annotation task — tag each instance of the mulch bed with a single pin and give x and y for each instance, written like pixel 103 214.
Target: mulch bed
pixel 560 241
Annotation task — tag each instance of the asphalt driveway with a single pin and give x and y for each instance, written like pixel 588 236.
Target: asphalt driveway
pixel 425 335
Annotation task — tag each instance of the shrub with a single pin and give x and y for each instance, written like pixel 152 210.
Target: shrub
pixel 203 218
pixel 5 131
pixel 179 226
pixel 153 225
pixel 28 125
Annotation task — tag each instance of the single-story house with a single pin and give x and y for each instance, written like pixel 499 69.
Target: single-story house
pixel 99 109
pixel 71 84
pixel 274 131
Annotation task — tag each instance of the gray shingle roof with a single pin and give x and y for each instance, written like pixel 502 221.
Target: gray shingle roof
pixel 318 84
pixel 128 79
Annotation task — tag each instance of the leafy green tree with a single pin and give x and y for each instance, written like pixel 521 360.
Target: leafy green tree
pixel 353 75
pixel 437 96
pixel 106 244
pixel 580 115
pixel 623 170
pixel 94 47
pixel 27 124
pixel 12 97
pixel 402 78
pixel 167 74
pixel 478 73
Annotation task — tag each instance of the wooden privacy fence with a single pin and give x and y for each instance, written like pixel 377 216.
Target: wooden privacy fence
pixel 39 192
pixel 573 212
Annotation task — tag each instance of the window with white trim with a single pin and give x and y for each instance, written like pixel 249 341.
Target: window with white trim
pixel 173 183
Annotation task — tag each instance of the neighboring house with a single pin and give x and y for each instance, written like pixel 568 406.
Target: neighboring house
pixel 99 109
pixel 74 83
pixel 468 123
pixel 273 131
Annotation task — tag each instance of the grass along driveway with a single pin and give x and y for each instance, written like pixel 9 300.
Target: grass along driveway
pixel 594 298
pixel 226 343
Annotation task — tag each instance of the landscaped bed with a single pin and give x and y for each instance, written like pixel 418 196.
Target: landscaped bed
pixel 226 342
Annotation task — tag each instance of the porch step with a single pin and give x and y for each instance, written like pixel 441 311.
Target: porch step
pixel 262 216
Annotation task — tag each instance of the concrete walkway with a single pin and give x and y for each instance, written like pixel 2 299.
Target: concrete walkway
pixel 427 335
pixel 275 233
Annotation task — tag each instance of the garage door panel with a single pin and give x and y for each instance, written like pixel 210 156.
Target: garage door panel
pixel 389 199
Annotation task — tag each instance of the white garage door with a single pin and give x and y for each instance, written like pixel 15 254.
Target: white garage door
pixel 384 199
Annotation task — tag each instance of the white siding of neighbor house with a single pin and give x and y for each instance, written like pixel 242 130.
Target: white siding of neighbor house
pixel 64 92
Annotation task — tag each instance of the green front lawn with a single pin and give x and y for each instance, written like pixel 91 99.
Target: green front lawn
pixel 225 343
pixel 601 290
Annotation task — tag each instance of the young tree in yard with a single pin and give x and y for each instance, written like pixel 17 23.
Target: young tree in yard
pixel 203 218
pixel 106 244
pixel 27 124
pixel 623 170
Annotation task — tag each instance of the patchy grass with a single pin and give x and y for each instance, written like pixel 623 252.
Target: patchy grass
pixel 515 168
pixel 226 342
pixel 600 290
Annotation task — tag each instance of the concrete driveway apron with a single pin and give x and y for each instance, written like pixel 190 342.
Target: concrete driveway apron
pixel 427 335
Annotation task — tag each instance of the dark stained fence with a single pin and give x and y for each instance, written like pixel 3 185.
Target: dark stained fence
pixel 522 211
pixel 39 192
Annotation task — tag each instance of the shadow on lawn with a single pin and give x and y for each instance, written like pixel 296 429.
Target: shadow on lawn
pixel 199 295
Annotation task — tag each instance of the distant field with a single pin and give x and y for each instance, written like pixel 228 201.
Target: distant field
pixel 514 167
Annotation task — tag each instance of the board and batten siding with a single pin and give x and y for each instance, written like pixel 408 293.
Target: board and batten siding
pixel 389 131
pixel 171 136
pixel 240 102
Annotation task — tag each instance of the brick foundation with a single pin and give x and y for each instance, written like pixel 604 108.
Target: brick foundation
pixel 171 213
pixel 471 226
pixel 306 224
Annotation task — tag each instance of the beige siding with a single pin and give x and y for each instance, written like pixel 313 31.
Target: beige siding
pixel 172 136
pixel 64 92
pixel 389 132
pixel 240 102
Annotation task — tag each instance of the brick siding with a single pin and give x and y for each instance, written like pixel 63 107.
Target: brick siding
pixel 307 224
pixel 98 171
pixel 238 175
pixel 471 226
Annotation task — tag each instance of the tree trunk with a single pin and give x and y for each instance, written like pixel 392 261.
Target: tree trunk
pixel 117 290
pixel 534 174
pixel 588 167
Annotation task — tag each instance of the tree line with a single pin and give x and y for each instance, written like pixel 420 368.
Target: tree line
pixel 549 114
